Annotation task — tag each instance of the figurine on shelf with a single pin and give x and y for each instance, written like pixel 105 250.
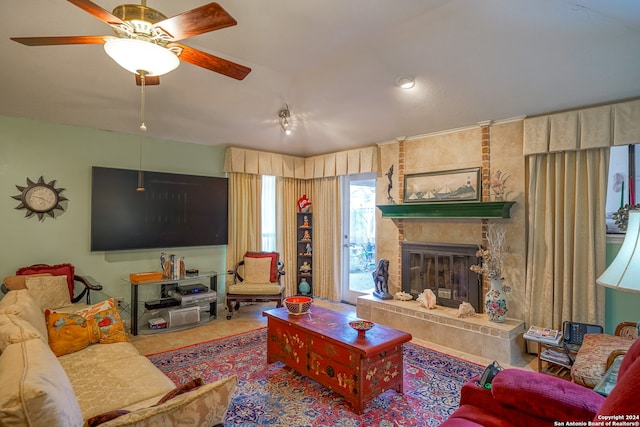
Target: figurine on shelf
pixel 307 235
pixel 304 204
pixel 305 267
pixel 305 221
pixel 307 249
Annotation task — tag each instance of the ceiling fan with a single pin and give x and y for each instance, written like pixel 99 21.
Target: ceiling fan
pixel 146 41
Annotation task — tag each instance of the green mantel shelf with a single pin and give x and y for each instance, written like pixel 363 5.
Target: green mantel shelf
pixel 482 210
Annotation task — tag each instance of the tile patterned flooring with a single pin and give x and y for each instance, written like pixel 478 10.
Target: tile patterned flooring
pixel 250 317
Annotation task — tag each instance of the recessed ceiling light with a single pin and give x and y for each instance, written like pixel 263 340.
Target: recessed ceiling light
pixel 406 82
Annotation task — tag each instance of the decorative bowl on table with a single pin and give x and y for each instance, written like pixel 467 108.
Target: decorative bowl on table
pixel 298 305
pixel 361 326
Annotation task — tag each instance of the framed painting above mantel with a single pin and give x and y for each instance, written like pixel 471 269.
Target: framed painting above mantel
pixel 445 186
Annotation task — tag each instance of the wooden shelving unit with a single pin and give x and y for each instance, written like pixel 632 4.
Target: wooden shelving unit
pixel 304 270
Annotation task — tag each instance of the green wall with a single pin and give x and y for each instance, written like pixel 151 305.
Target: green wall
pixel 620 306
pixel 66 154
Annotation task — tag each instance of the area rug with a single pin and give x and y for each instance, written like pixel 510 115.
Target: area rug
pixel 275 395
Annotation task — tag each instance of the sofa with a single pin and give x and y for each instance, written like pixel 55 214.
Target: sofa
pixel 75 366
pixel 520 398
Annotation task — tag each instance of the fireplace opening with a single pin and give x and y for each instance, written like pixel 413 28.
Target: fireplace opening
pixel 443 268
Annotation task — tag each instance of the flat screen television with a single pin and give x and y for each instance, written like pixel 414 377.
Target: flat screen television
pixel 175 210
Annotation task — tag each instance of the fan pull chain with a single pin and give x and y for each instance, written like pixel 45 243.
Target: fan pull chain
pixel 142 73
pixel 143 128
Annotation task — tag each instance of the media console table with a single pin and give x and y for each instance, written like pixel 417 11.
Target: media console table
pixel 322 346
pixel 209 314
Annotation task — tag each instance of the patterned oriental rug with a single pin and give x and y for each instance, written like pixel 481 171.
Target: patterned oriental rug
pixel 275 395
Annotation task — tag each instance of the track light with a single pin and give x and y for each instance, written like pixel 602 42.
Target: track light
pixel 284 116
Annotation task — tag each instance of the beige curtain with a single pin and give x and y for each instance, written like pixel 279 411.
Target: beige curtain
pixel 245 214
pixel 567 237
pixel 327 222
pixel 288 191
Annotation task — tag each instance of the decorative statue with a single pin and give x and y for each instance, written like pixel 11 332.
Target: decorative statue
pixel 307 235
pixel 390 186
pixel 381 279
pixel 305 221
pixel 304 204
pixel 305 267
pixel 307 249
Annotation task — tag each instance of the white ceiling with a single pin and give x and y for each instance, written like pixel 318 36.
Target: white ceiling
pixel 335 63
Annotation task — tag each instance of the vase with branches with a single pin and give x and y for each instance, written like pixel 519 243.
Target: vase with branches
pixel 491 267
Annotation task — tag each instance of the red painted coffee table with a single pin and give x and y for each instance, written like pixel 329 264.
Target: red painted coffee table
pixel 322 346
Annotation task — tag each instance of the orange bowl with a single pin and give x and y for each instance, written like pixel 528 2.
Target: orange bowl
pixel 298 305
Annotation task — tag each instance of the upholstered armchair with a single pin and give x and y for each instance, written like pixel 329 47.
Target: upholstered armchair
pixel 80 287
pixel 521 398
pixel 598 351
pixel 256 278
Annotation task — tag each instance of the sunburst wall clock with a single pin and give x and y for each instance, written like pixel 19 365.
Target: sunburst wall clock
pixel 40 198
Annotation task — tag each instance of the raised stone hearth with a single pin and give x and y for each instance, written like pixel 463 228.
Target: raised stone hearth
pixel 475 335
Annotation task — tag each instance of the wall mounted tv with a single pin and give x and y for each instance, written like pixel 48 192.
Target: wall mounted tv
pixel 174 210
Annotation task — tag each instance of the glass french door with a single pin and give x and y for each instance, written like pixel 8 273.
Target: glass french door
pixel 359 235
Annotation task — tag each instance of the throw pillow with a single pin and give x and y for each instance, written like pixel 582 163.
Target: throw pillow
pixel 191 385
pixel 56 270
pixel 50 292
pixel 35 389
pixel 107 416
pixel 15 283
pixel 71 332
pixel 22 304
pixel 205 406
pixel 15 330
pixel 256 270
pixel 273 256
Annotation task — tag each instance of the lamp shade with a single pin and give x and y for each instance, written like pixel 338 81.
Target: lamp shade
pixel 135 55
pixel 624 272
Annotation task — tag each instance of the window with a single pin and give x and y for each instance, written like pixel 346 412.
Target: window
pixel 624 165
pixel 268 213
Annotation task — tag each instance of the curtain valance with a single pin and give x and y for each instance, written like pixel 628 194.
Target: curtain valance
pixel 596 127
pixel 349 162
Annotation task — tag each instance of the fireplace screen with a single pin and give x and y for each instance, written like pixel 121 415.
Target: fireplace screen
pixel 445 270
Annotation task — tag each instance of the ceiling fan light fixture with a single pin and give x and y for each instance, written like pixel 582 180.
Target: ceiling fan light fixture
pixel 134 55
pixel 406 82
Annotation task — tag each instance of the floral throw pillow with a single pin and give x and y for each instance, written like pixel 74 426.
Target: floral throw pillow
pixel 71 332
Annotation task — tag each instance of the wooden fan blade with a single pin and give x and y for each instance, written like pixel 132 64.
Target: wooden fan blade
pixel 213 63
pixel 197 21
pixel 60 40
pixel 148 80
pixel 97 11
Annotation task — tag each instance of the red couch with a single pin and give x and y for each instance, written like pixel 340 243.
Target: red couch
pixel 520 398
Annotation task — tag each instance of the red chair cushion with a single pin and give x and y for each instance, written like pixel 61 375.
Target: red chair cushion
pixel 55 270
pixel 274 262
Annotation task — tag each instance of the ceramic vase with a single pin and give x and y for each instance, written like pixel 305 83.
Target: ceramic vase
pixel 304 287
pixel 495 302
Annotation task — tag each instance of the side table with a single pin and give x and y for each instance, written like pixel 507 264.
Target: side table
pixel 556 358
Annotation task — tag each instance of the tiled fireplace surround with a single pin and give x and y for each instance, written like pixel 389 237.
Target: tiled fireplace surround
pixel 475 335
